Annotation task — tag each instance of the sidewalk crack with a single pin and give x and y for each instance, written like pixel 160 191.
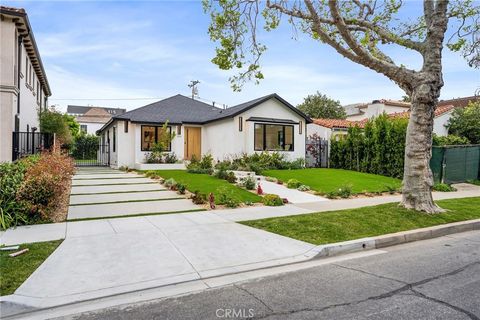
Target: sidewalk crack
pixel 254 297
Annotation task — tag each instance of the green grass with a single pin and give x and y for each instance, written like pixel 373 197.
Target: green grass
pixel 475 182
pixel 14 271
pixel 336 226
pixel 327 180
pixel 205 183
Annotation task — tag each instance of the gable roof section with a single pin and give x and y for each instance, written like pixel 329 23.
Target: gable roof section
pixel 180 109
pixel 440 110
pixel 176 110
pixel 240 108
pixel 459 102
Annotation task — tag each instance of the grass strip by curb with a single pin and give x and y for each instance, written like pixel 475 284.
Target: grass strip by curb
pixel 136 215
pixel 123 201
pixel 111 184
pixel 14 271
pixel 351 224
pixel 113 192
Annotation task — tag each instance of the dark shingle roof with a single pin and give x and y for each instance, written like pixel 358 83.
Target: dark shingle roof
pixel 71 109
pixel 180 109
pixel 177 109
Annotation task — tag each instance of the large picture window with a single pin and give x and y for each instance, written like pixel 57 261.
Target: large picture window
pixel 273 137
pixel 150 136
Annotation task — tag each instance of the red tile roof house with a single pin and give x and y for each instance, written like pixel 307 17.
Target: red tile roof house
pixel 326 128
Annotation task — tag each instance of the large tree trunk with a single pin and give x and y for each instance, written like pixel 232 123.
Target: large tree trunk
pixel 417 177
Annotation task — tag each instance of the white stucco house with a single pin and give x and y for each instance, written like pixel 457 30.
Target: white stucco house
pixel 326 128
pixel 24 88
pixel 267 123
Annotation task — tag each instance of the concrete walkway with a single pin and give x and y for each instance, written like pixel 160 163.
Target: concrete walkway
pixel 103 193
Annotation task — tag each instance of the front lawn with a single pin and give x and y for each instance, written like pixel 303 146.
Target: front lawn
pixel 343 225
pixel 328 180
pixel 205 183
pixel 14 271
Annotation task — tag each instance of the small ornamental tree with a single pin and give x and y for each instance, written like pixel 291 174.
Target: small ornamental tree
pixel 363 32
pixel 320 106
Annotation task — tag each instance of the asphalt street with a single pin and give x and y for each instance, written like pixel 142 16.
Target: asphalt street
pixel 431 279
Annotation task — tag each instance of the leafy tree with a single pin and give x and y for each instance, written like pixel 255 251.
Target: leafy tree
pixel 465 122
pixel 52 121
pixel 320 106
pixel 73 125
pixel 363 32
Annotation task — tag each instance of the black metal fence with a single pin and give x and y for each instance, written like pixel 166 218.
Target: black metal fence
pixel 91 155
pixel 316 150
pixel 28 143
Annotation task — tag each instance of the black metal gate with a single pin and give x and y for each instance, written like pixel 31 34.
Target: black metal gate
pixel 28 143
pixel 91 155
pixel 316 150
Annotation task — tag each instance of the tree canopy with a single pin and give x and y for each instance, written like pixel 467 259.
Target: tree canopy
pixel 320 106
pixel 365 32
pixel 64 126
pixel 465 122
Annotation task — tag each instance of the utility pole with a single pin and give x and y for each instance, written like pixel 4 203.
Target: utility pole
pixel 193 85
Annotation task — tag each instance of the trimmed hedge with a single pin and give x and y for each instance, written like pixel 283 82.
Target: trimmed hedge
pixel 378 149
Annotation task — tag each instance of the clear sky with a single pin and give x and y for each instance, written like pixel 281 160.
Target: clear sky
pixel 132 49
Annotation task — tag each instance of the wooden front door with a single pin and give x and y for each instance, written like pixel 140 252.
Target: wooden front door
pixel 193 142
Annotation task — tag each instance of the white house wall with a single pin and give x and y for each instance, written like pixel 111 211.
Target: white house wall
pixel 439 124
pixel 92 127
pixel 272 109
pixel 221 140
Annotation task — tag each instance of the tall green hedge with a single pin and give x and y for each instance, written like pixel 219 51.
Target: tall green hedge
pixel 378 148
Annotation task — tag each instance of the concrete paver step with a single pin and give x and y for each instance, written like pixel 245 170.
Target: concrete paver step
pixel 116 188
pixel 130 208
pixel 106 176
pixel 122 197
pixel 92 182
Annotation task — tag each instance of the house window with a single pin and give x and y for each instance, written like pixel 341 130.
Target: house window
pixel 114 134
pixel 83 128
pixel 179 130
pixel 151 135
pixel 300 127
pixel 273 137
pixel 125 128
pixel 240 124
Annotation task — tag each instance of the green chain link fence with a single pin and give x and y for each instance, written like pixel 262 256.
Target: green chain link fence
pixel 454 164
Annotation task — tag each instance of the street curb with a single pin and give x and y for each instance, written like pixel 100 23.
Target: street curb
pixel 392 239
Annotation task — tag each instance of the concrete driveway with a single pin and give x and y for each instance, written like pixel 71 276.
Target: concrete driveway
pixel 116 255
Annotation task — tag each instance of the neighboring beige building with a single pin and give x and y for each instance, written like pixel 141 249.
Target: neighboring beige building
pixel 91 118
pixel 24 88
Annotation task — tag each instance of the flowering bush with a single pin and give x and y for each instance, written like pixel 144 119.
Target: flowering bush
pixel 45 183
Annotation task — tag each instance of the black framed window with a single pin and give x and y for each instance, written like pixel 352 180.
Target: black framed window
pixel 150 135
pixel 273 137
pixel 125 128
pixel 83 128
pixel 240 124
pixel 114 136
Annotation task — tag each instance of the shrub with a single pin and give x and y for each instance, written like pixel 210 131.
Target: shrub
pixel 45 183
pixel 221 174
pixel 231 177
pixel 181 188
pixel 170 157
pixel 227 198
pixel 272 200
pixel 379 149
pixel 343 192
pixel 85 146
pixel 391 188
pixel 205 165
pixel 293 184
pixel 249 183
pixel 279 181
pixel 170 183
pixel 451 139
pixel 259 162
pixel 443 187
pixel 271 179
pixel 303 188
pixel 199 198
